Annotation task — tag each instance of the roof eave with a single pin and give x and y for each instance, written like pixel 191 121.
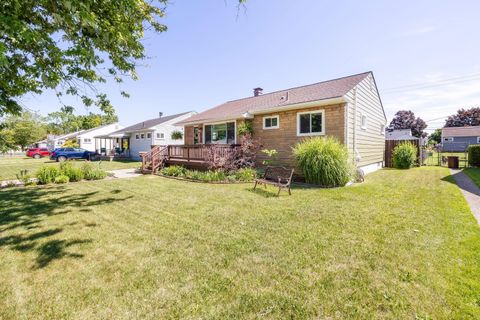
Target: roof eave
pixel 302 105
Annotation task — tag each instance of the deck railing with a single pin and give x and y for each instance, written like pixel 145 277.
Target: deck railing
pixel 199 153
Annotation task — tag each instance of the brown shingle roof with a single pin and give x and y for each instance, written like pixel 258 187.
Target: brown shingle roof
pixel 314 92
pixel 461 132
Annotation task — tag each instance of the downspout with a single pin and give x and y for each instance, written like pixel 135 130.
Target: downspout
pixel 356 156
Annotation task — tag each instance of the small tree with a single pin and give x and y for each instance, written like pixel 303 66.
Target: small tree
pixel 464 118
pixel 435 137
pixel 404 119
pixel 70 143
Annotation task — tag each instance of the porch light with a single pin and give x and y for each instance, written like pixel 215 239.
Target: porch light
pixel 248 115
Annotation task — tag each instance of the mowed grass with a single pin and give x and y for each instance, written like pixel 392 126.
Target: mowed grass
pixel 402 245
pixel 474 174
pixel 10 166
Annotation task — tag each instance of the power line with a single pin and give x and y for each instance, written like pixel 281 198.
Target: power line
pixel 437 83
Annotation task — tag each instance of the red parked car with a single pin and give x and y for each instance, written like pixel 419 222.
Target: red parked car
pixel 38 153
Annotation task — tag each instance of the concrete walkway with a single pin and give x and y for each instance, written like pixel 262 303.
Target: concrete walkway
pixel 125 173
pixel 470 191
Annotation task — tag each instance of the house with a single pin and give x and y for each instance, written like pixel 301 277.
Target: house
pixel 457 139
pixel 85 138
pixel 347 108
pixel 141 136
pixel 54 141
pixel 400 134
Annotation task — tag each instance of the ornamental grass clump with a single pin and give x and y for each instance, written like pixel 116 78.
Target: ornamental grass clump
pixel 323 161
pixel 404 155
pixel 73 173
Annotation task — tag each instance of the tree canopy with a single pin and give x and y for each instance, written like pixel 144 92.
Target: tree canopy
pixel 21 131
pixel 464 118
pixel 71 46
pixel 405 119
pixel 65 121
pixel 435 137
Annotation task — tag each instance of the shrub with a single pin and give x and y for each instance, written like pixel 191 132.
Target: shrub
pixel 73 173
pixel 474 155
pixel 214 176
pixel 61 179
pixel 404 155
pixel 245 174
pixel 91 173
pixel 177 135
pixel 272 157
pixel 245 128
pixel 25 177
pixel 174 171
pixel 47 174
pixel 323 161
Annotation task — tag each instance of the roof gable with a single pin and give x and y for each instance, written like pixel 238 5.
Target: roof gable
pixel 149 124
pixel 234 109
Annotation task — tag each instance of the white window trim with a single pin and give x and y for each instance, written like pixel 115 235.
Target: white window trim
pixel 271 117
pixel 363 126
pixel 137 136
pixel 220 122
pixel 449 139
pixel 322 111
pixel 159 136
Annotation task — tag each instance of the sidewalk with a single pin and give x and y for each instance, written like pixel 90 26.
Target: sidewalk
pixel 470 191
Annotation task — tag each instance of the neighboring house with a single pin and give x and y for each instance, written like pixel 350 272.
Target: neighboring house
pixel 457 139
pixel 86 138
pixel 400 134
pixel 347 108
pixel 41 144
pixel 57 141
pixel 142 136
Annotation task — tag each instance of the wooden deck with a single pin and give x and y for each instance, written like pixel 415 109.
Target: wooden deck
pixel 190 156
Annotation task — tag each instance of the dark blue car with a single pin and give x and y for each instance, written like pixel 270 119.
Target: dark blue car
pixel 62 154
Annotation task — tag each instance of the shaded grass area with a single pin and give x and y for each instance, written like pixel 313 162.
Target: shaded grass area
pixel 474 174
pixel 10 166
pixel 402 245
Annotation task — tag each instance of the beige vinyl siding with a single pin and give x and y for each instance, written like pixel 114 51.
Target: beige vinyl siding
pixel 370 143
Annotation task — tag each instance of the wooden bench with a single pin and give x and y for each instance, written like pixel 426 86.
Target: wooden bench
pixel 276 176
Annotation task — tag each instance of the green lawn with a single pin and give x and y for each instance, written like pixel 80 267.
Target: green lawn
pixel 402 245
pixel 474 174
pixel 10 166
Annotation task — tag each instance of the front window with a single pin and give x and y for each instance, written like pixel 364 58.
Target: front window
pixel 142 136
pixel 223 133
pixel 87 140
pixel 448 139
pixel 310 123
pixel 160 135
pixel 149 135
pixel 137 136
pixel 270 122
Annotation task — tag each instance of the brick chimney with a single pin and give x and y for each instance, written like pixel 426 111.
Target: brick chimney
pixel 257 92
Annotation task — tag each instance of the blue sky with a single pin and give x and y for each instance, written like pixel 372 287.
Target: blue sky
pixel 213 53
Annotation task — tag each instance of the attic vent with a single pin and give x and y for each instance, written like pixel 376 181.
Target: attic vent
pixel 284 97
